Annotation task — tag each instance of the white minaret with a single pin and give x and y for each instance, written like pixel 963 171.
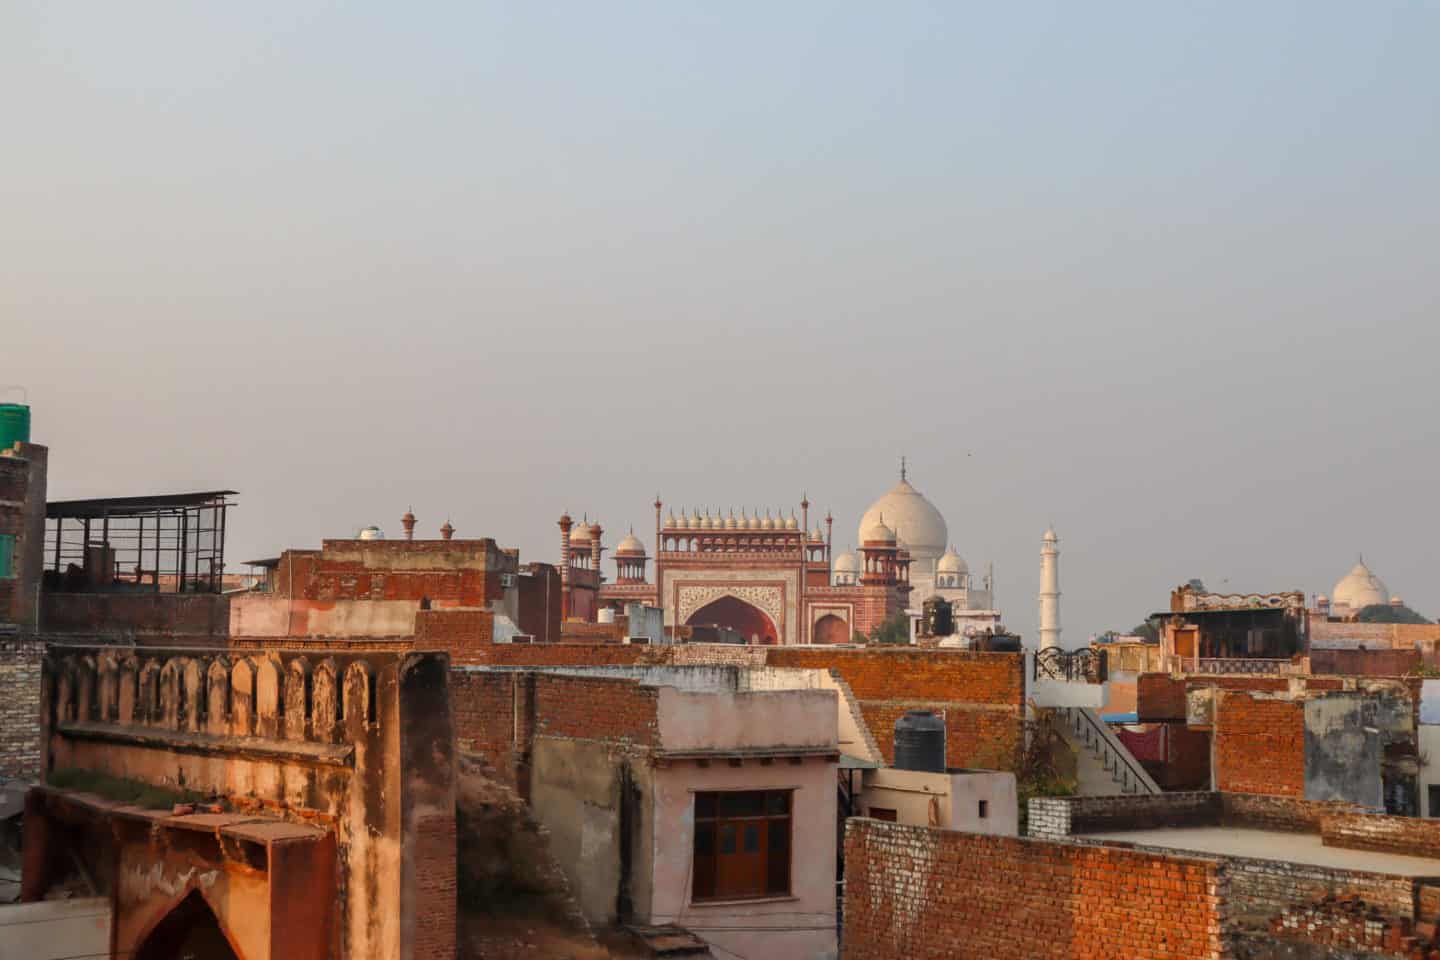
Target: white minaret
pixel 1049 590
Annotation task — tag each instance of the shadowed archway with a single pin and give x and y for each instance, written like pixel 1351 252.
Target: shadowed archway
pixel 743 618
pixel 188 932
pixel 830 629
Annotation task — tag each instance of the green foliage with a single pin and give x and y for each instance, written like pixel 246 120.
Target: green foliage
pixel 1386 613
pixel 1148 631
pixel 121 790
pixel 894 630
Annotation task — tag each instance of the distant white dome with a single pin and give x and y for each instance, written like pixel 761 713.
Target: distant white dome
pixel 769 521
pixel 581 533
pixel 1359 589
pixel 630 544
pixel 847 563
pixel 922 529
pixel 370 533
pixel 952 562
pixel 877 531
pixel 791 523
pixel 670 521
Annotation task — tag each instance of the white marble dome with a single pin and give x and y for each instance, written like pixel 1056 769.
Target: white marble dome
pixel 922 528
pixel 877 532
pixel 1359 588
pixel 630 544
pixel 952 562
pixel 847 563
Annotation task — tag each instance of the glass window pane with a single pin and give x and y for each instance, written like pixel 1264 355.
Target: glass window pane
pixel 705 804
pixel 779 835
pixel 777 865
pixel 747 803
pixel 752 837
pixel 727 838
pixel 777 801
pixel 705 840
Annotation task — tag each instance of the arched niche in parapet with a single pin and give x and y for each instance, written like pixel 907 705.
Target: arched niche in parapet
pixel 85 688
pixel 358 693
pixel 171 710
pixel 326 710
pixel 242 697
pixel 297 698
pixel 269 704
pixel 192 690
pixel 65 690
pixel 147 706
pixel 107 694
pixel 128 699
pixel 217 696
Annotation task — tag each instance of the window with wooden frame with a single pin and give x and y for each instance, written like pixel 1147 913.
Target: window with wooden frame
pixel 742 845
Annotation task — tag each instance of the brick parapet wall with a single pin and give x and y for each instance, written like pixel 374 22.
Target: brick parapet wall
pixel 20 668
pixel 1411 836
pixel 1058 817
pixel 1365 663
pixel 612 710
pixel 927 894
pixel 465 634
pixel 981 695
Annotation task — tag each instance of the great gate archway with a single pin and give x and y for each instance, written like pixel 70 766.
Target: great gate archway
pixel 747 620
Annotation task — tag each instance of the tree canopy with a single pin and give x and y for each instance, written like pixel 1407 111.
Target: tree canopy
pixel 1389 613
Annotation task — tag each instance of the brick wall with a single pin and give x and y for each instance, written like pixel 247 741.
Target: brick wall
pixel 435 887
pixel 981 695
pixel 1365 663
pixel 20 661
pixel 918 893
pixel 464 634
pixel 498 715
pixel 1411 836
pixel 1259 744
pixel 1159 696
pixel 1059 817
pixel 620 711
pixel 190 618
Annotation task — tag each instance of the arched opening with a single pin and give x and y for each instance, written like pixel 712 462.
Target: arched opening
pixel 830 629
pixel 188 932
pixel 739 616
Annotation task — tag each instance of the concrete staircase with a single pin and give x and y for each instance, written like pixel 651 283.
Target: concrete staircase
pixel 1103 765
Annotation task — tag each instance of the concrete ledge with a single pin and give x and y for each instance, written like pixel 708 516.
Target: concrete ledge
pixel 207 744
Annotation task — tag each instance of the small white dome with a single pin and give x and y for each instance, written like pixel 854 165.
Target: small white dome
pixel 769 521
pixel 713 523
pixel 670 521
pixel 630 544
pixel 877 532
pixel 370 533
pixel 952 562
pixel 847 563
pixel 1359 589
pixel 791 523
pixel 581 533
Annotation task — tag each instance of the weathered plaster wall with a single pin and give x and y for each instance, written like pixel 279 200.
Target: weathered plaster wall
pixel 950 801
pixel 576 793
pixel 812 870
pixel 740 721
pixel 1342 750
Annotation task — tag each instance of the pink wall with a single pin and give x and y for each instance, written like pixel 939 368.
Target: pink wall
pixel 812 867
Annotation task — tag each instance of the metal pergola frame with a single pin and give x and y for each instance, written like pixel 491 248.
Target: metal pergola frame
pixel 170 544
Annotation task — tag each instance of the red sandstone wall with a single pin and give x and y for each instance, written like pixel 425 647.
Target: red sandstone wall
pixel 929 894
pixel 1259 745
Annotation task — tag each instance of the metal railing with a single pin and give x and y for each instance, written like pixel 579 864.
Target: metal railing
pixel 1124 769
pixel 1086 665
pixel 1262 665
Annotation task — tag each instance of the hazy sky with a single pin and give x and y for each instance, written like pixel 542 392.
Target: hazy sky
pixel 1167 275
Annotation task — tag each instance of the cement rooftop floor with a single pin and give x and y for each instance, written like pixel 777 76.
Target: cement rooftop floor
pixel 1274 845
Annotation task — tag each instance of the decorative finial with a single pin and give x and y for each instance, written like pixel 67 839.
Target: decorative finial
pixel 902 468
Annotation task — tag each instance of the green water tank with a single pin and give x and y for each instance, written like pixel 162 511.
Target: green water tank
pixel 14 424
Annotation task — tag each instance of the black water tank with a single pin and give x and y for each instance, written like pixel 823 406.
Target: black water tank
pixel 996 642
pixel 920 742
pixel 939 617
